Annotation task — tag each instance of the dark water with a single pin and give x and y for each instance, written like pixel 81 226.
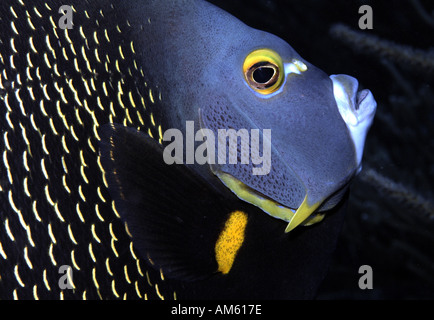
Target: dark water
pixel 390 221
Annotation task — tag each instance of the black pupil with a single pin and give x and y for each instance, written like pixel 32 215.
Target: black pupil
pixel 263 74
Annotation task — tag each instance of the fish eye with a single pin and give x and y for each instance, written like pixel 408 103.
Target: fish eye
pixel 263 71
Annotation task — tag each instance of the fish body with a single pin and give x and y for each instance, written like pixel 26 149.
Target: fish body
pixel 84 187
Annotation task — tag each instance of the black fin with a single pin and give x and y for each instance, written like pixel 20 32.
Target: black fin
pixel 174 217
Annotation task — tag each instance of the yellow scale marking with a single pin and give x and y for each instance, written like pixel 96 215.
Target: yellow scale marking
pixel 107 266
pixel 44 276
pixel 26 258
pixel 2 252
pixel 74 262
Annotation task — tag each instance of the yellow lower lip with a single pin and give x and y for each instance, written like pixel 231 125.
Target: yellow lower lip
pixel 274 209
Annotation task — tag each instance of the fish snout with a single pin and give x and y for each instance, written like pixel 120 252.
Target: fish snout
pixel 357 109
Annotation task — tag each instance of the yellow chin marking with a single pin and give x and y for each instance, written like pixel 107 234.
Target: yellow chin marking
pixel 302 213
pixel 230 241
pixel 315 219
pixel 245 193
pixel 301 216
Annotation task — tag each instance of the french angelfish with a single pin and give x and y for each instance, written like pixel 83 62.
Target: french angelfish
pixel 84 182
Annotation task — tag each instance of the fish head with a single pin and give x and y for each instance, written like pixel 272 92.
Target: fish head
pixel 305 131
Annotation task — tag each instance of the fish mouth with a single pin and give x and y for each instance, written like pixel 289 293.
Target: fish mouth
pixel 305 214
pixel 357 109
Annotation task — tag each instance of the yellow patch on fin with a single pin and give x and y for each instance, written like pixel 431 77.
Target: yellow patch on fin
pixel 230 241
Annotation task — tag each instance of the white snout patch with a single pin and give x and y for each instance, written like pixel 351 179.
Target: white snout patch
pixel 356 108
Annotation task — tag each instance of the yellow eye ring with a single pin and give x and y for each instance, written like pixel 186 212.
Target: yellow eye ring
pixel 264 71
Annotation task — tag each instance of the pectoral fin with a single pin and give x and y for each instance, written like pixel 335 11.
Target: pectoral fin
pixel 175 218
